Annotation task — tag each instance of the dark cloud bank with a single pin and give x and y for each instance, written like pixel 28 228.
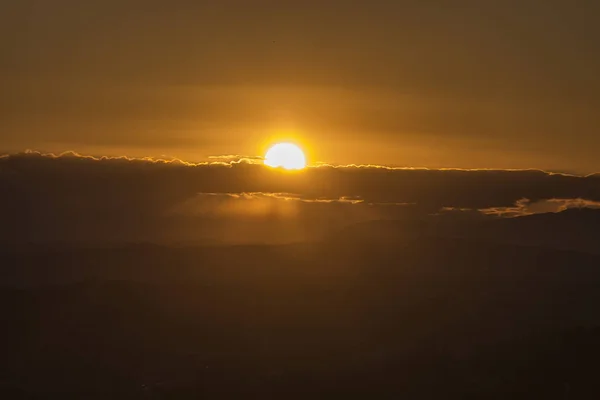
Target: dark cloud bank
pixel 72 197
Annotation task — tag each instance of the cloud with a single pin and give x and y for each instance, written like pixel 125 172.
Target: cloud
pixel 75 196
pixel 527 207
pixel 295 197
pixel 260 204
pixel 521 207
pixel 237 158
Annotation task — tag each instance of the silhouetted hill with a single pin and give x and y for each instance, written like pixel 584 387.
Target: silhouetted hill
pixel 577 229
pixel 572 229
pixel 383 230
pixel 421 317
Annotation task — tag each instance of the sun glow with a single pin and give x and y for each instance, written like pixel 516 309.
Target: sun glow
pixel 285 155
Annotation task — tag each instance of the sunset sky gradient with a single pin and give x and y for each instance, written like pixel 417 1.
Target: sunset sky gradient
pixel 474 84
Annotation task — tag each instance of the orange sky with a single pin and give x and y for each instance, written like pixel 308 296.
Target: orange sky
pixel 500 84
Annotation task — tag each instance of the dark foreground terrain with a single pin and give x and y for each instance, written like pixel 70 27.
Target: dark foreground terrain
pixel 420 318
pixel 371 312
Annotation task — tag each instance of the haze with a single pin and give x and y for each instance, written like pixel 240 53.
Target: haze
pixel 251 199
pixel 498 84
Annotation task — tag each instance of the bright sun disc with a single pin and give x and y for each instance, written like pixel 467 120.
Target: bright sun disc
pixel 285 155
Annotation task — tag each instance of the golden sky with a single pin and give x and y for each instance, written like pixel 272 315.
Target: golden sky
pixel 498 84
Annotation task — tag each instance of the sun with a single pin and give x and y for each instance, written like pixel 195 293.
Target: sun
pixel 285 155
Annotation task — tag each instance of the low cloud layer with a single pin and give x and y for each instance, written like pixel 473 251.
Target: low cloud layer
pixel 527 207
pixel 73 196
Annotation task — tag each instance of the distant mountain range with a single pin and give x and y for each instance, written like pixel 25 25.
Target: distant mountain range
pixel 420 308
pixel 572 229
